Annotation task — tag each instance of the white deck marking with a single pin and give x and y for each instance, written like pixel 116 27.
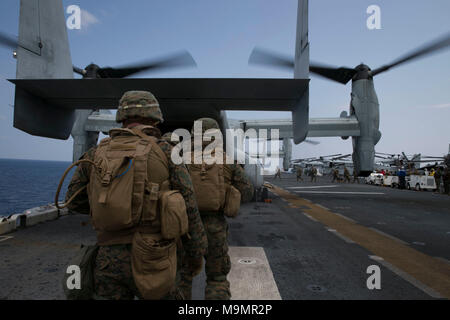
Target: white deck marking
pixel 431 292
pixel 4 238
pixel 389 236
pixel 309 217
pixel 312 187
pixel 339 192
pixel 344 217
pixel 251 277
pixel 340 236
pixel 323 207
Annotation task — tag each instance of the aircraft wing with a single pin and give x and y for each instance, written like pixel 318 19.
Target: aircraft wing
pixel 42 106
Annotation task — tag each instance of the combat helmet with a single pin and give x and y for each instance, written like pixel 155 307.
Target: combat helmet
pixel 141 104
pixel 207 123
pixel 168 137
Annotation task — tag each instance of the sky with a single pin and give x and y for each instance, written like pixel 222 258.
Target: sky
pixel 414 98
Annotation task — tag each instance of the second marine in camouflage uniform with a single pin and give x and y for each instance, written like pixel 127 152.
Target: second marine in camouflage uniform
pixel 217 265
pixel 112 274
pixel 299 174
pixel 446 175
pixel 346 175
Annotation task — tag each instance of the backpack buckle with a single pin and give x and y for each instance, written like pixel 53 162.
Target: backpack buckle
pixel 203 172
pixel 154 191
pixel 106 179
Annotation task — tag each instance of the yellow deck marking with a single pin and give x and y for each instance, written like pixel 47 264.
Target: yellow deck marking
pixel 429 271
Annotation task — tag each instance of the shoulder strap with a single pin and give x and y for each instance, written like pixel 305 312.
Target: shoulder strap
pixel 140 133
pixel 152 140
pixel 140 174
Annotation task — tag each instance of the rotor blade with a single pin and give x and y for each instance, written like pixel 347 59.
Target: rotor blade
pixel 341 75
pixel 79 70
pixel 267 58
pixel 271 59
pixel 8 41
pixel 435 45
pixel 180 59
pixel 313 142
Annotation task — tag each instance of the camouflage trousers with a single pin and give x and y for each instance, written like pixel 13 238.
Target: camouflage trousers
pixel 438 184
pixel 446 186
pixel 217 265
pixel 113 276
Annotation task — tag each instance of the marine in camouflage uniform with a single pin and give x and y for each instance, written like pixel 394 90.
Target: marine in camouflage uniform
pixel 335 175
pixel 299 174
pixel 313 174
pixel 168 137
pixel 437 179
pixel 112 273
pixel 446 175
pixel 446 180
pixel 355 176
pixel 278 173
pixel 346 175
pixel 218 262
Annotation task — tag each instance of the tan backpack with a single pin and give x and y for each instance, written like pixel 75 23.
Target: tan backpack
pixel 232 195
pixel 213 189
pixel 118 184
pixel 209 185
pixel 123 195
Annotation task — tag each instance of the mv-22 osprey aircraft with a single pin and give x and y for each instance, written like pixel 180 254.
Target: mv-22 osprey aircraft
pixel 49 102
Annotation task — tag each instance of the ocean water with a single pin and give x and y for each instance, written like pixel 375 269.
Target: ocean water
pixel 25 184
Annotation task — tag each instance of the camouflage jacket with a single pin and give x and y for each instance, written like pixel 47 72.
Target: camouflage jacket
pixel 446 174
pixel 180 179
pixel 437 174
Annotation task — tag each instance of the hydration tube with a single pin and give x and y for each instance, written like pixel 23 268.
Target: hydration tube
pixel 62 181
